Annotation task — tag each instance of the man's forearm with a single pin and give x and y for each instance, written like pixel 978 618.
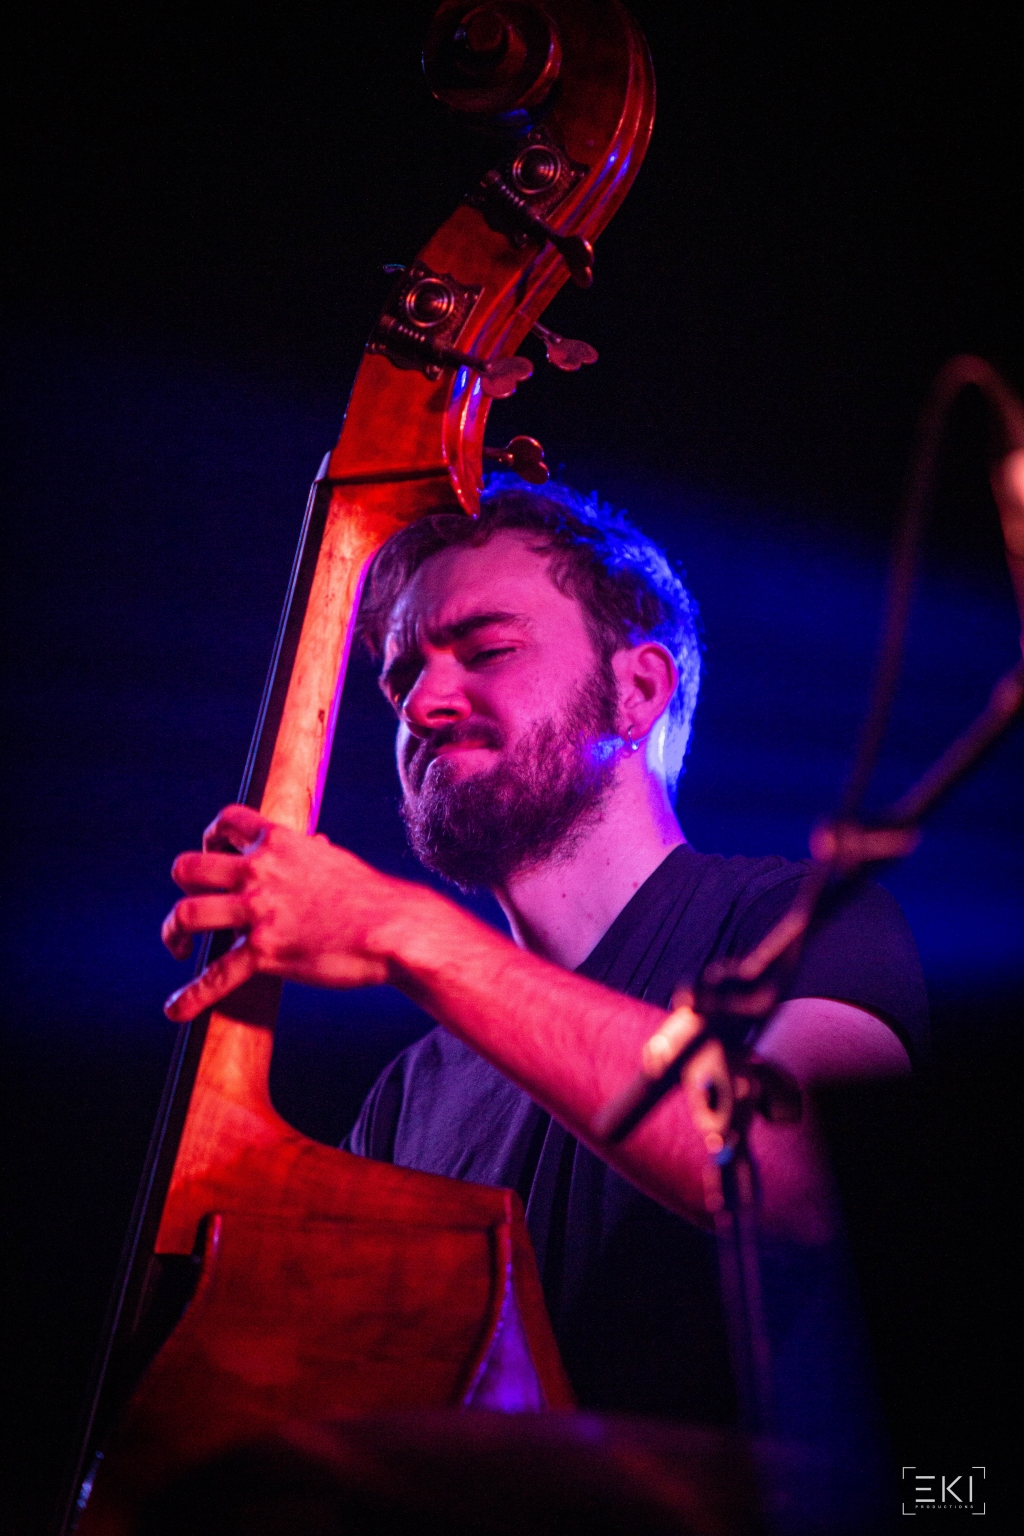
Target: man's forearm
pixel 570 1043
pixel 314 913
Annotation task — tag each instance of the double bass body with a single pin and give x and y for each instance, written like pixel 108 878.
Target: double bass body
pixel 326 1285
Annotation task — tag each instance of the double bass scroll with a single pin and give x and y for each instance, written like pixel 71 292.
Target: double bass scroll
pixel 326 1284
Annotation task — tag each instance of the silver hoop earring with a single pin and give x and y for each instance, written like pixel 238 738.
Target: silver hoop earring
pixel 634 746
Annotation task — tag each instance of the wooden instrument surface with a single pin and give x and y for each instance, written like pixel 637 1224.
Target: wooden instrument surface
pixel 328 1284
pixel 400 424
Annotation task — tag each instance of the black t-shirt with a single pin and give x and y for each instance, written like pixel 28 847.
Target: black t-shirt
pixel 631 1287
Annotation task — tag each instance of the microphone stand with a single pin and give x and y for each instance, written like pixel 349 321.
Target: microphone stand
pixel 707 1045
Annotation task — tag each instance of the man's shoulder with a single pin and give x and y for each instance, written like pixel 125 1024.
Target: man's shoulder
pixel 732 879
pixel 750 894
pixel 732 901
pixel 859 948
pixel 699 907
pixel 724 882
pixel 682 916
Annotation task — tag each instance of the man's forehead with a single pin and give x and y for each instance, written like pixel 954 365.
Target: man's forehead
pixel 503 580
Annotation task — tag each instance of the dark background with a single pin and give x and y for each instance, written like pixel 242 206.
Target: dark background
pixel 200 202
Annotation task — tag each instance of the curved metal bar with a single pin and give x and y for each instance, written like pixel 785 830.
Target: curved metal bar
pixel 744 993
pixel 958 374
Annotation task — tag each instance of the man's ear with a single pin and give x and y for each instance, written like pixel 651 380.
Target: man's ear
pixel 647 678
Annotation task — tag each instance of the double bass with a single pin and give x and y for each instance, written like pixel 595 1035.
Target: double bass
pixel 267 1278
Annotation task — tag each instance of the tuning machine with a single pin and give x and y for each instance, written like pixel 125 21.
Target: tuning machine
pixel 564 353
pixel 424 314
pixel 517 198
pixel 524 456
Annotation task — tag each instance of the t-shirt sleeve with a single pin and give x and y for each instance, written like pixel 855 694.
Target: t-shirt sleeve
pixel 860 950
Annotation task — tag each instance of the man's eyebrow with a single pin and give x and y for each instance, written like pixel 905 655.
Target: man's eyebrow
pixel 446 634
pixel 474 621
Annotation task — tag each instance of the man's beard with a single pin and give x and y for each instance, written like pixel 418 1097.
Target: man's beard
pixel 532 806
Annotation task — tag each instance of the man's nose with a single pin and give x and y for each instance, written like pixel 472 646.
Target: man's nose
pixel 436 698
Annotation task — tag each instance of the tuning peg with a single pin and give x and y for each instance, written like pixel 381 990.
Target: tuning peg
pixel 563 353
pixel 500 377
pixel 524 456
pixel 577 253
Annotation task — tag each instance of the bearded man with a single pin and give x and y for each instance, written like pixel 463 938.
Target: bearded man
pixel 543 664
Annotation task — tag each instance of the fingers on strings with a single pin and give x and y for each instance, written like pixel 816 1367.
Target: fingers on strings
pixel 197 873
pixel 202 914
pixel 216 982
pixel 235 830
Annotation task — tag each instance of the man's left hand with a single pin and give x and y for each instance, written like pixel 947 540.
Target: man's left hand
pixel 301 907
